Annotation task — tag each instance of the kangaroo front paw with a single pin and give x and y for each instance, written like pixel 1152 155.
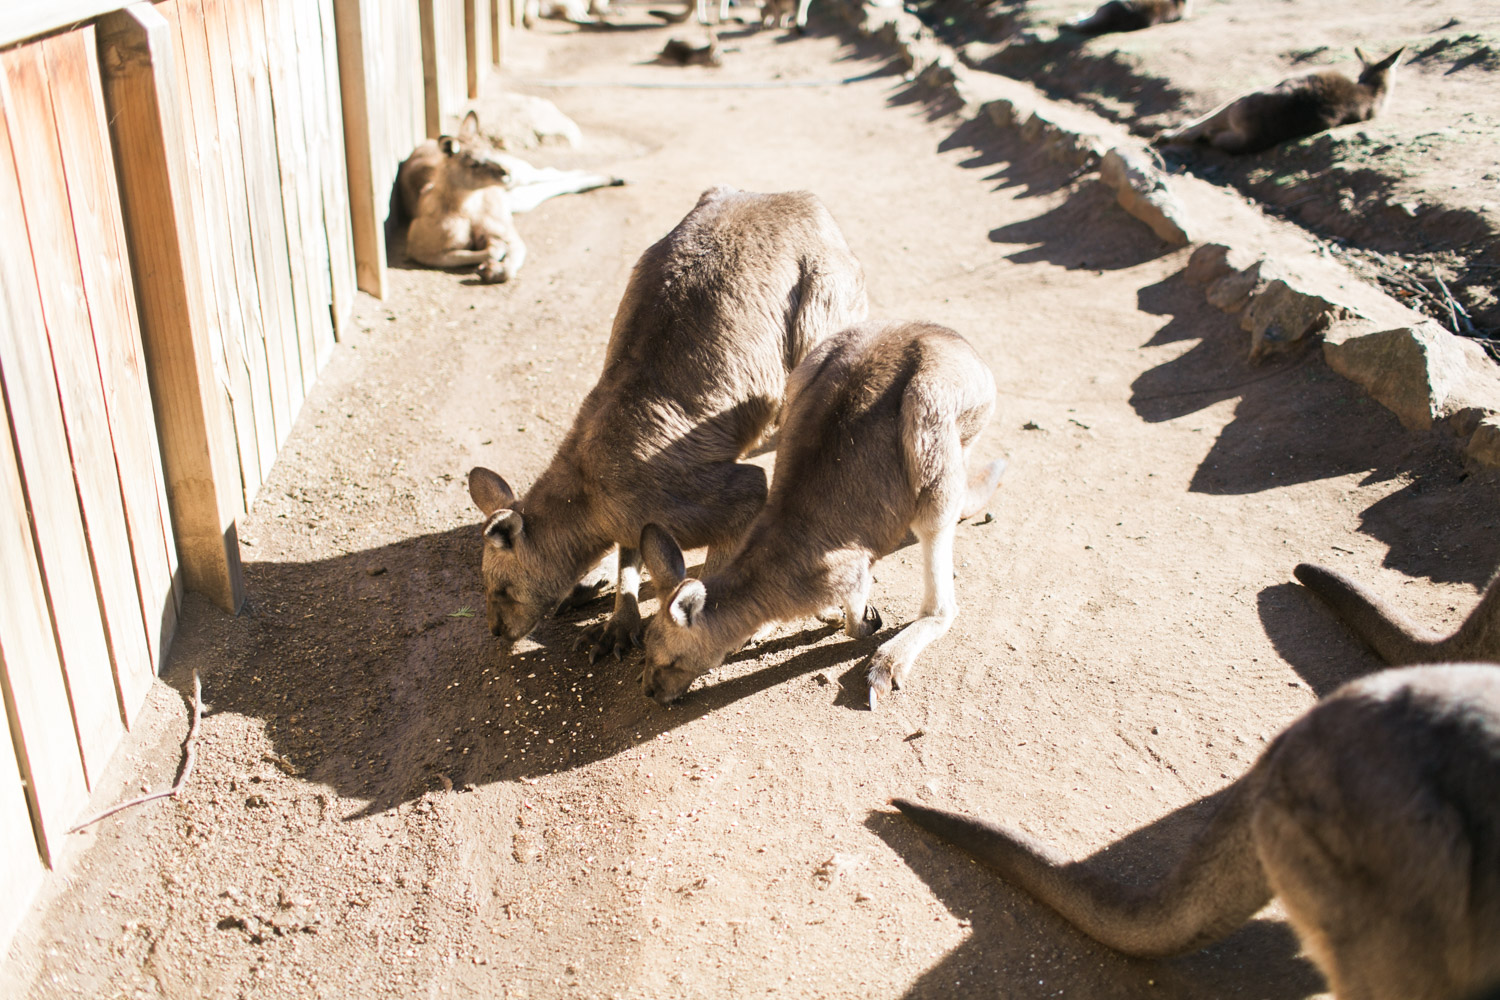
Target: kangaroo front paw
pixel 886 673
pixel 493 272
pixel 615 637
pixel 581 594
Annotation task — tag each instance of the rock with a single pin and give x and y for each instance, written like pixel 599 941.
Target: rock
pixel 1421 373
pixel 1213 261
pixel 1483 448
pixel 524 847
pixel 526 122
pixel 1003 112
pixel 1142 191
pixel 1279 317
pixel 1232 292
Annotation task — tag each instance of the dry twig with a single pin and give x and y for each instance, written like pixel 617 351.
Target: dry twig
pixel 189 756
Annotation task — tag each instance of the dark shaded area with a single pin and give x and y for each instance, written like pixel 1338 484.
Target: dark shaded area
pixel 1311 640
pixel 375 673
pixel 1019 948
pixel 1088 231
pixel 1021 167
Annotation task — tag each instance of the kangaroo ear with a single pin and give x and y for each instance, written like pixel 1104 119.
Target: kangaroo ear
pixel 489 492
pixel 470 127
pixel 1390 61
pixel 503 529
pixel 663 558
pixel 687 603
pixel 1359 54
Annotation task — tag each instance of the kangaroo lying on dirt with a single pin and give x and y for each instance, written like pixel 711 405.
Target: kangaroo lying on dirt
pixel 681 53
pixel 1396 640
pixel 1374 818
pixel 1129 15
pixel 715 315
pixel 874 440
pixel 459 193
pixel 1301 106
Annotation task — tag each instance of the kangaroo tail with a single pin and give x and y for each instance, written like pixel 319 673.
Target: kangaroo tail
pixel 1214 889
pixel 1376 623
pixel 982 485
pixel 673 17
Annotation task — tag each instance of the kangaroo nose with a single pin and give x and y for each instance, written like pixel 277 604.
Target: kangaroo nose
pixel 498 630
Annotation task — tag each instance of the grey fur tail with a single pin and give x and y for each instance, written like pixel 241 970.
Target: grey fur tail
pixel 1216 887
pixel 1392 636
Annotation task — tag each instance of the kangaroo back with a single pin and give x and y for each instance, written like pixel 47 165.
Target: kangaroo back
pixel 1392 635
pixel 1129 15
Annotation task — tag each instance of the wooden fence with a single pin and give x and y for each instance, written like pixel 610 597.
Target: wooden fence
pixel 193 189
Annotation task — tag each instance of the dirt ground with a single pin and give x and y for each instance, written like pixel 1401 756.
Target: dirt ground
pixel 386 806
pixel 1410 196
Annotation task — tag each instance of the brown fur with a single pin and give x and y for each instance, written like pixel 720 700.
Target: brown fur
pixel 459 193
pixel 1130 15
pixel 714 317
pixel 878 425
pixel 1374 818
pixel 1300 106
pixel 1391 635
pixel 681 53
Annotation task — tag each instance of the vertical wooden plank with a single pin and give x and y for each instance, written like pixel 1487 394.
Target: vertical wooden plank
pixel 20 858
pixel 367 217
pixel 476 44
pixel 432 86
pixel 326 132
pixel 267 214
pixel 31 677
pixel 92 592
pixel 222 242
pixel 497 31
pixel 128 401
pixel 145 111
pixel 236 226
pixel 452 60
pixel 118 452
pixel 295 170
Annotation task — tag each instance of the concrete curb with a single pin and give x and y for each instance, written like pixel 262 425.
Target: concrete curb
pixel 1282 284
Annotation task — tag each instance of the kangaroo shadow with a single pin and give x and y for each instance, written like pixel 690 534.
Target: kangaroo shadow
pixel 1310 639
pixel 1020 949
pixel 374 673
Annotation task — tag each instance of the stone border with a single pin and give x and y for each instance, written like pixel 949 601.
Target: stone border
pixel 1281 284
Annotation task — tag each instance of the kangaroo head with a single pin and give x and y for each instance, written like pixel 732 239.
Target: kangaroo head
pixel 472 154
pixel 520 584
pixel 1378 75
pixel 679 645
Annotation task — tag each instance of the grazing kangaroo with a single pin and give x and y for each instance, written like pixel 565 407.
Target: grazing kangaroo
pixel 1395 639
pixel 459 193
pixel 785 14
pixel 1301 106
pixel 714 316
pixel 1374 818
pixel 874 440
pixel 1129 15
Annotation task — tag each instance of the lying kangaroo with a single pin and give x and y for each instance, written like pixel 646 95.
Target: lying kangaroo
pixel 459 193
pixel 1301 106
pixel 1129 15
pixel 714 317
pixel 681 53
pixel 576 11
pixel 874 440
pixel 1374 818
pixel 1396 640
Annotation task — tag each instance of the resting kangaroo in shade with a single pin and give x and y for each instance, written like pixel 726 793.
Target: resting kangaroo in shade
pixel 1303 105
pixel 875 441
pixel 715 315
pixel 1375 818
pixel 1129 15
pixel 459 193
pixel 1396 640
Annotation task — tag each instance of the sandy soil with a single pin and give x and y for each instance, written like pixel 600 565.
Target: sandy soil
pixel 385 806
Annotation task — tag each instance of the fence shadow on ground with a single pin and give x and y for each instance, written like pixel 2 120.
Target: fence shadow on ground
pixel 1019 948
pixel 375 673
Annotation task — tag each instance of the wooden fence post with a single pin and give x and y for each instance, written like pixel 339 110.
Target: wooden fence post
pixel 162 230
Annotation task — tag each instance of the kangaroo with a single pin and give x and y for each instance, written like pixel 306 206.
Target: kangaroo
pixel 874 440
pixel 1301 106
pixel 459 193
pixel 713 318
pixel 785 14
pixel 680 53
pixel 1374 817
pixel 1390 635
pixel 1129 15
pixel 576 11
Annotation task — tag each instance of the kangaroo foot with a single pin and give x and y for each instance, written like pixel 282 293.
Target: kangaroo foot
pixel 886 673
pixel 581 594
pixel 868 624
pixel 616 636
pixel 493 272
